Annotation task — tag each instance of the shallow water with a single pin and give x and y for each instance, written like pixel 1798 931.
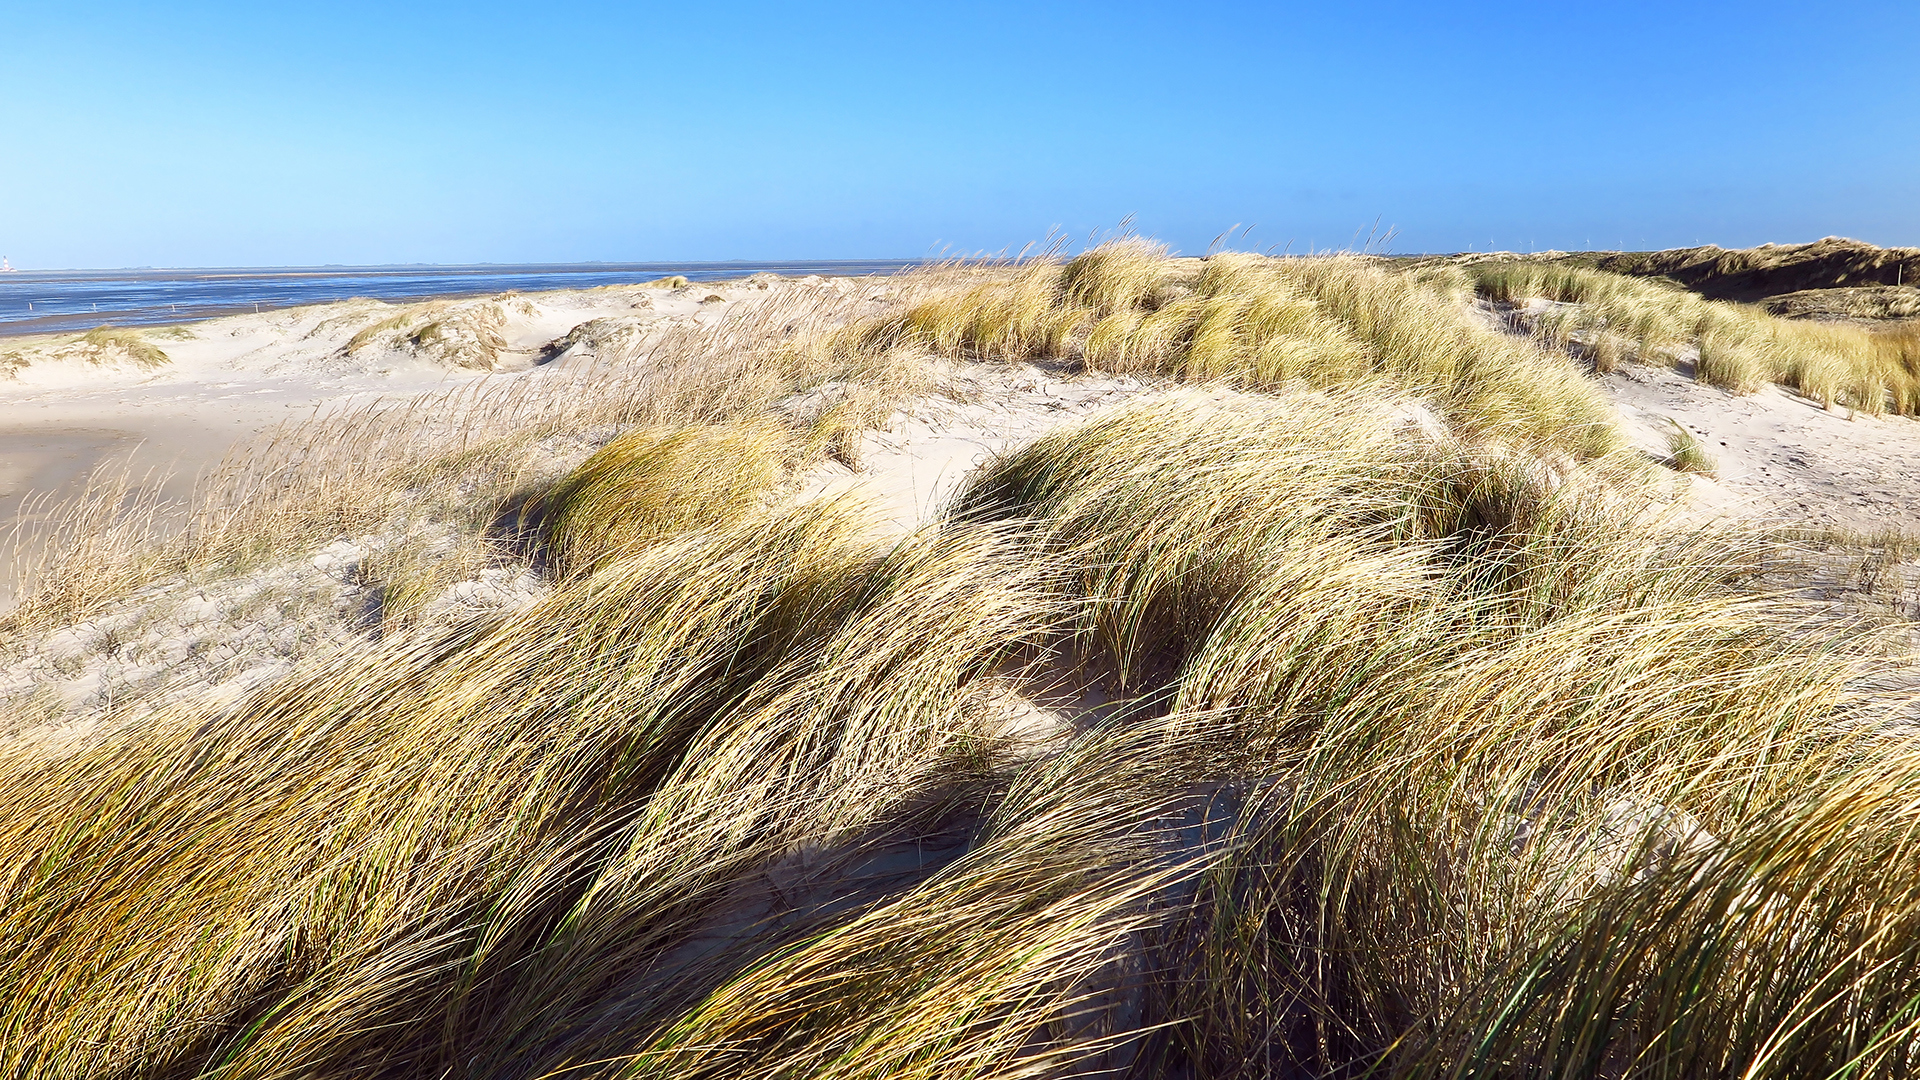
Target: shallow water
pixel 53 300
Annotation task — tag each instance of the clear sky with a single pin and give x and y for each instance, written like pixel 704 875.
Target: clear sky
pixel 199 134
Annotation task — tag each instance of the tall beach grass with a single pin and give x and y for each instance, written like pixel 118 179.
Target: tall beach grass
pixel 1355 711
pixel 1736 346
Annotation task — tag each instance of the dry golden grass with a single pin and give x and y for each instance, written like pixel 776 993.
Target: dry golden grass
pixel 650 484
pixel 1428 749
pixel 1737 346
pixel 101 345
pixel 1686 453
pixel 1256 322
pixel 462 334
pixel 463 456
pixel 1497 774
pixel 419 568
pixel 106 344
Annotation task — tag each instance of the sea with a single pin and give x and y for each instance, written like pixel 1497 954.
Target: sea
pixel 47 301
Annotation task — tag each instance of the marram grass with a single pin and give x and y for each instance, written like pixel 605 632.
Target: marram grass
pixel 1736 346
pixel 1425 747
pixel 649 484
pixel 1258 323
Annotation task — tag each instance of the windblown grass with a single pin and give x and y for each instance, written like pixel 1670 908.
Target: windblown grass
pixel 1257 323
pixel 1488 753
pixel 104 344
pixel 1424 745
pixel 1433 760
pixel 1737 347
pixel 1686 453
pixel 650 484
pixel 462 335
pixel 470 456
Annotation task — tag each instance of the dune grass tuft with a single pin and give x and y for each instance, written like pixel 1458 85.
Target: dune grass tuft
pixel 1737 346
pixel 651 484
pixel 1255 322
pixel 1686 453
pixel 457 334
pixel 109 342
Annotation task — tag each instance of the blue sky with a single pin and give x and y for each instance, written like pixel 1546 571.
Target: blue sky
pixel 204 134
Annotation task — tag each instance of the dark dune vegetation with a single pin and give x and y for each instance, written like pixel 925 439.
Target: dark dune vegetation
pixel 1832 279
pixel 1751 275
pixel 1353 705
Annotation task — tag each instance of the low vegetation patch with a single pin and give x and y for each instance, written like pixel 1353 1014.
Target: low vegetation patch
pixel 1871 303
pixel 1686 453
pixel 103 346
pixel 1731 345
pixel 1256 322
pixel 1754 274
pixel 461 335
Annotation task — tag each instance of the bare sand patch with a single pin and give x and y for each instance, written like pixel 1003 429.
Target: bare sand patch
pixel 1781 458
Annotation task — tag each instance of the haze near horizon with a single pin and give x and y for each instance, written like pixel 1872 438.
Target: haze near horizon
pixel 227 135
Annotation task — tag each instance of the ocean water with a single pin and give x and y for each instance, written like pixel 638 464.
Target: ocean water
pixel 35 302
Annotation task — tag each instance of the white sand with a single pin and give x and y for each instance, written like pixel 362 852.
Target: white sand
pixel 1781 458
pixel 907 471
pixel 230 380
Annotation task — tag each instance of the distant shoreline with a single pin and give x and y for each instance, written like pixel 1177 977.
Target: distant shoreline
pixel 67 301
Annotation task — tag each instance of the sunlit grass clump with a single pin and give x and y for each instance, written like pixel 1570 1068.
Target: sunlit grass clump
pixel 1686 453
pixel 102 345
pixel 105 342
pixel 1256 322
pixel 650 484
pixel 1737 346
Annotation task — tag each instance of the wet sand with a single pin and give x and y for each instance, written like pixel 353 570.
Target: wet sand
pixel 41 467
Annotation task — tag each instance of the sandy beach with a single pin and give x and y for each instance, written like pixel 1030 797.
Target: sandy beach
pixel 65 416
pixel 69 411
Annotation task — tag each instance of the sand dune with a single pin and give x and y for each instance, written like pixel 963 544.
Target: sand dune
pixel 819 656
pixel 65 413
